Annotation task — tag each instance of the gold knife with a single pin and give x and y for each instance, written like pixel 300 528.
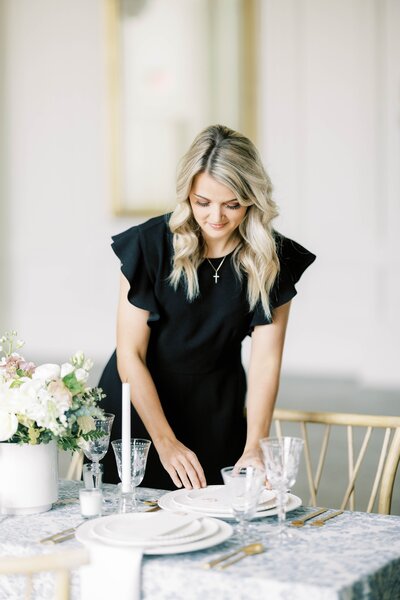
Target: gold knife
pixel 245 550
pixel 320 522
pixel 55 536
pixel 300 522
pixel 64 538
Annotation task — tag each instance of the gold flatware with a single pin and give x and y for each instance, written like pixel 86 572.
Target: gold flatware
pixel 154 509
pixel 64 538
pixel 257 549
pixel 60 534
pixel 248 550
pixel 320 522
pixel 301 522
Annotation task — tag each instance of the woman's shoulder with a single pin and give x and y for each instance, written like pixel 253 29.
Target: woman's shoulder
pixel 292 255
pixel 153 228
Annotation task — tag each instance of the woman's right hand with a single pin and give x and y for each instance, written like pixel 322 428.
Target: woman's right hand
pixel 181 463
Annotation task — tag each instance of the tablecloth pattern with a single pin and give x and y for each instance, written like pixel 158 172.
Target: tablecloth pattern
pixel 354 557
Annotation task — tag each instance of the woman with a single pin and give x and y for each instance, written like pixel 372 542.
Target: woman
pixel 194 283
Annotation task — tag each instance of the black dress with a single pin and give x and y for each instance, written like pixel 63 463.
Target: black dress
pixel 194 351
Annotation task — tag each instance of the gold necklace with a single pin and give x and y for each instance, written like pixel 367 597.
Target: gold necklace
pixel 216 276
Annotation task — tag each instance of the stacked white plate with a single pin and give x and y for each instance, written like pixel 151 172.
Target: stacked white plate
pixel 213 501
pixel 155 533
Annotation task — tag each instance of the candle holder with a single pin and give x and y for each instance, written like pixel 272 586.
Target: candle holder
pixel 139 452
pixel 126 501
pixel 91 502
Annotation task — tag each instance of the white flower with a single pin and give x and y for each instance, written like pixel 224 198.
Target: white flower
pixel 8 425
pixel 88 364
pixel 78 358
pixel 66 369
pixel 25 399
pixel 81 375
pixel 47 372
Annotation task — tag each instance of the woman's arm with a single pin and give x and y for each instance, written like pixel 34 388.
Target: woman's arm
pixel 133 335
pixel 263 382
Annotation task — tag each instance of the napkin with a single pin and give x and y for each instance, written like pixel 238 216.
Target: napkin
pixel 112 572
pixel 116 570
pixel 140 527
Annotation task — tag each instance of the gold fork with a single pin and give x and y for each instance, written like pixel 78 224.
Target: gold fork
pixel 243 551
pixel 320 522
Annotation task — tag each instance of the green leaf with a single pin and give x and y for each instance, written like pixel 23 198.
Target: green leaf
pixel 17 383
pixel 72 383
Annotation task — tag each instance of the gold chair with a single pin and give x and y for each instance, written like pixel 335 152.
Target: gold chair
pixel 61 563
pixel 75 467
pixel 386 465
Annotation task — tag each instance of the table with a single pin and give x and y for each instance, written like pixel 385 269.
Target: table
pixel 355 556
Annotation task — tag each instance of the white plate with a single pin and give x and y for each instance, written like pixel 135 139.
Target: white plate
pixel 168 502
pixel 140 527
pixel 206 528
pixel 84 534
pixel 182 532
pixel 214 499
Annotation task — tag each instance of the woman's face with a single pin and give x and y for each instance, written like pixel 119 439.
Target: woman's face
pixel 215 208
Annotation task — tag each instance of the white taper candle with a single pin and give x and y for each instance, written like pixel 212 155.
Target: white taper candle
pixel 126 438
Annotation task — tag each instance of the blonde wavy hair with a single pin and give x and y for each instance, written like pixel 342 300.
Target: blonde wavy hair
pixel 233 160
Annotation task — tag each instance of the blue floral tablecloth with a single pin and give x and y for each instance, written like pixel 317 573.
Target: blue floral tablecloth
pixel 355 556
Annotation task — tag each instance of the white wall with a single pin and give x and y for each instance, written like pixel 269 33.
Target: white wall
pixel 60 278
pixel 330 115
pixel 330 138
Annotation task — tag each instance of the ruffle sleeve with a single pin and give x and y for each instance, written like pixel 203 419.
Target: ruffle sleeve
pixel 129 249
pixel 294 260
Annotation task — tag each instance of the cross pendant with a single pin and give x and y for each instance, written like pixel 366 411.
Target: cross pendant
pixel 216 277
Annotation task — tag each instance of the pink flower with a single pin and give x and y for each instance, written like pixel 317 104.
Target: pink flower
pixel 61 394
pixel 28 368
pixel 10 364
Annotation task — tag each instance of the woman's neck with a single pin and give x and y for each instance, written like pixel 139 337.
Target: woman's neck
pixel 220 248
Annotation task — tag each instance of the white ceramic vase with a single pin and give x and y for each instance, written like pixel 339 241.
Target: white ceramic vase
pixel 28 478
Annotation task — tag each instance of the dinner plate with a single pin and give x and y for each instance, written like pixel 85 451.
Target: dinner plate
pixel 141 527
pixel 168 502
pixel 84 534
pixel 214 499
pixel 194 531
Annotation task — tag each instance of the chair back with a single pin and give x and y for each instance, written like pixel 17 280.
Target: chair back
pixel 74 471
pixel 358 429
pixel 59 563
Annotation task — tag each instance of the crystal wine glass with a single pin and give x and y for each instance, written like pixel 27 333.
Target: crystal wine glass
pixel 95 449
pixel 244 488
pixel 139 452
pixel 281 459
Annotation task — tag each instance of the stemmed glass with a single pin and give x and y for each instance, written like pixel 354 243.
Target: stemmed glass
pixel 244 488
pixel 139 452
pixel 95 449
pixel 281 459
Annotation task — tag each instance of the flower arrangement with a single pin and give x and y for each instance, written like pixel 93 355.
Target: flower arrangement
pixel 46 402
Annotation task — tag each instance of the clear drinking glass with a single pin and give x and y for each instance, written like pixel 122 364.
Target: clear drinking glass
pixel 96 449
pixel 281 459
pixel 243 488
pixel 139 452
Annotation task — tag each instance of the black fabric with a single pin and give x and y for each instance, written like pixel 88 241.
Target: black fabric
pixel 194 352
